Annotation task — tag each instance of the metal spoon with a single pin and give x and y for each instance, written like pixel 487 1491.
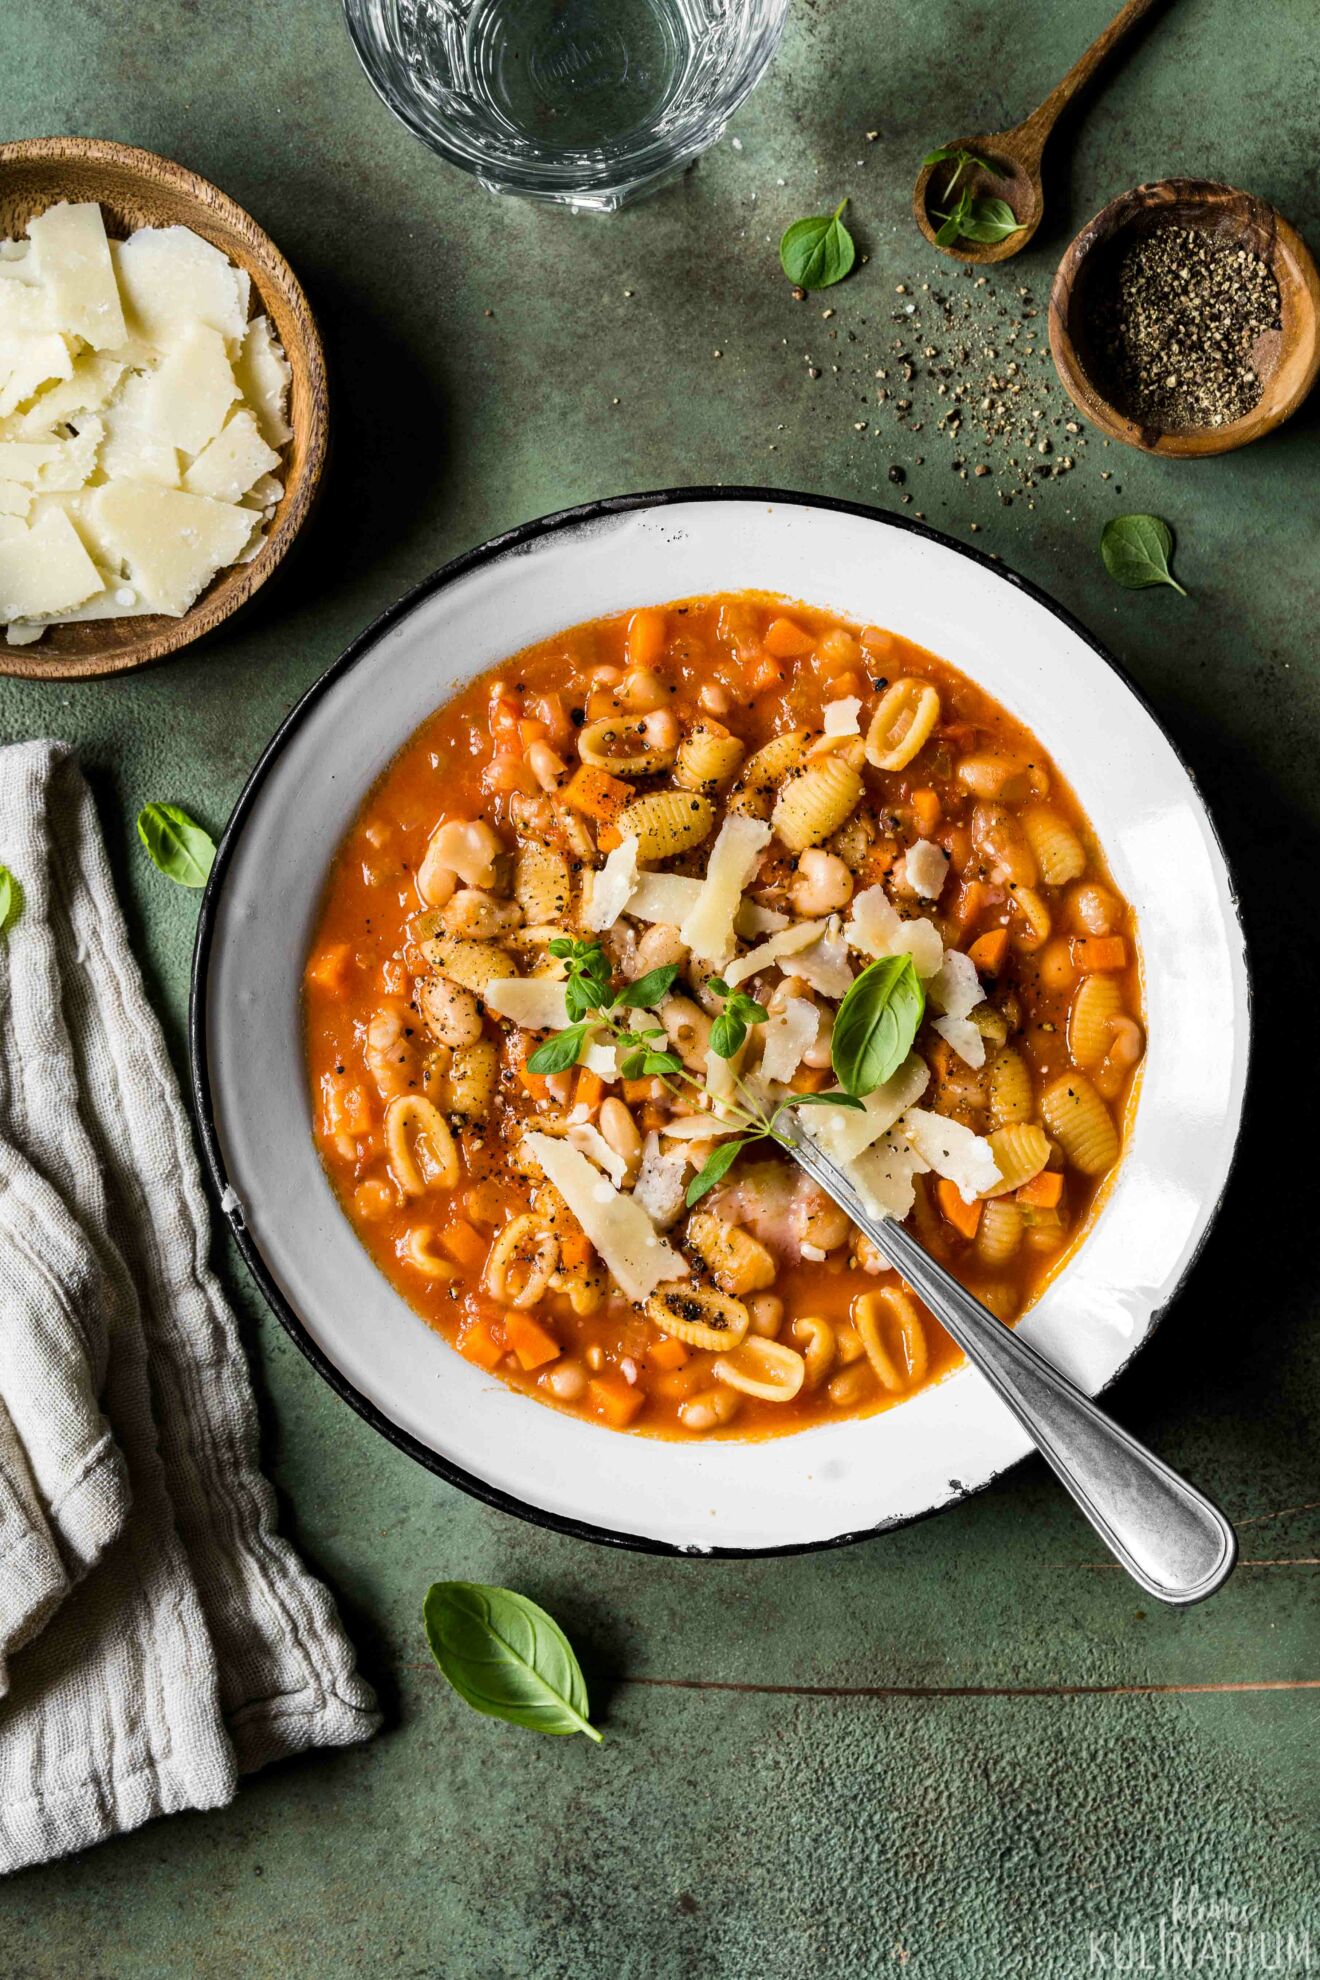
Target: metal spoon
pixel 1015 157
pixel 1171 1539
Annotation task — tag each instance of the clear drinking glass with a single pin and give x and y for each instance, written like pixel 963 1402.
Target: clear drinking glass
pixel 589 103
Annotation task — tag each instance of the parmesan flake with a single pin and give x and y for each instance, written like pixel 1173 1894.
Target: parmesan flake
pixel 636 1257
pixel 953 1151
pixel 708 927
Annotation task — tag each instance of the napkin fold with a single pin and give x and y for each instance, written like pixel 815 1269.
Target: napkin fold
pixel 157 1636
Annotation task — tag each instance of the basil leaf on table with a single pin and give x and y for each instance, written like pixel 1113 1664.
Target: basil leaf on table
pixel 1136 552
pixel 11 899
pixel 506 1657
pixel 176 843
pixel 876 1024
pixel 817 253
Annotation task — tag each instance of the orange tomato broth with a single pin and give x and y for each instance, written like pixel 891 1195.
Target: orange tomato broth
pixel 365 955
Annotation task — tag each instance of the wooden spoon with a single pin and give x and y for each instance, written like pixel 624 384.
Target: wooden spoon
pixel 1015 157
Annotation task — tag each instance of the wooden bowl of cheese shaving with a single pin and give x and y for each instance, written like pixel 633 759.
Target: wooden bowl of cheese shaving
pixel 159 511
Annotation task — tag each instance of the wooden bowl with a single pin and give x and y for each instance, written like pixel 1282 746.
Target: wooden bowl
pixel 1287 359
pixel 137 189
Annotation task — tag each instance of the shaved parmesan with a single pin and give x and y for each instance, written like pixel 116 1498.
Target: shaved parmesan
pixel 955 987
pixel 229 465
pixel 843 1132
pixel 667 897
pixel 15 498
pixel 170 278
pixel 883 1176
pixel 791 1032
pixel 72 260
pixel 27 364
pixel 953 1151
pixel 841 716
pixel 788 943
pixel 592 1143
pixel 696 1127
pixel 635 1255
pixel 964 1037
pixel 190 394
pixel 825 964
pixel 77 458
pixel 173 544
pixel 534 1002
pixel 601 1058
pixel 876 927
pixel 132 451
pixel 264 377
pixel 707 929
pixel 612 887
pixel 23 460
pixel 661 1183
pixel 926 866
pixel 87 388
pixel 44 569
pixel 752 919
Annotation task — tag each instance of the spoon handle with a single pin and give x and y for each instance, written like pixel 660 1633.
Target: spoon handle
pixel 1171 1539
pixel 1037 127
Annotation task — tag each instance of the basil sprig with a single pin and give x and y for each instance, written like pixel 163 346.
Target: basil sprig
pixel 764 1127
pixel 984 220
pixel 730 1027
pixel 818 252
pixel 177 844
pixel 507 1658
pixel 591 999
pixel 876 1024
pixel 1136 552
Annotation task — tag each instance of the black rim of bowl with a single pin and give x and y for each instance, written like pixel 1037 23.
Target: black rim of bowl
pixel 203 1103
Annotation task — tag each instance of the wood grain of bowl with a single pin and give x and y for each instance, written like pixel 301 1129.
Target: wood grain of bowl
pixel 137 189
pixel 1287 360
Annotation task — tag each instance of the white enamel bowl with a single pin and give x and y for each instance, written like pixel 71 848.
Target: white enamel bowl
pixel 822 1485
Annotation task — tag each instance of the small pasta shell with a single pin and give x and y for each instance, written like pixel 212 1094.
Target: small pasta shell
pixel 622 747
pixel 419 1147
pixel 891 1305
pixel 521 1262
pixel 1060 854
pixel 1096 1002
pixel 707 757
pixel 765 1369
pixel 902 724
pixel 541 884
pixel 1081 1123
pixel 474 965
pixel 815 1338
pixel 765 770
pixel 815 801
pixel 418 1250
pixel 666 823
pixel 699 1316
pixel 739 1263
pixel 470 1088
pixel 1032 924
pixel 1021 1151
pixel 999 1233
pixel 1012 1095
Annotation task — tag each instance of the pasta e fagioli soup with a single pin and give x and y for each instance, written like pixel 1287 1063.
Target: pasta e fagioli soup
pixel 625 900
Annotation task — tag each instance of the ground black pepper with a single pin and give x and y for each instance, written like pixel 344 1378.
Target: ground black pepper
pixel 1175 321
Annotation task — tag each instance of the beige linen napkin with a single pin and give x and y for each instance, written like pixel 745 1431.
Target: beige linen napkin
pixel 157 1637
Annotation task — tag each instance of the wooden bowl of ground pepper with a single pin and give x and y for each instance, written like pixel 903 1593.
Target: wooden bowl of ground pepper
pixel 1185 318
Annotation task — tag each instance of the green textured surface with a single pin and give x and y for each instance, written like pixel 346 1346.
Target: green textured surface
pixel 967 1746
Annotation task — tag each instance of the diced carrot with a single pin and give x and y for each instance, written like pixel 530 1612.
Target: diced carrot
pixel 347 1107
pixel 667 1352
pixel 878 643
pixel 533 1344
pixel 608 837
pixel 654 1116
pixel 843 685
pixel 810 1079
pixel 589 1090
pixel 530 1082
pixel 596 792
pixel 764 672
pixel 530 731
pixel 636 1091
pixel 506 772
pixel 926 811
pixel 965 1217
pixel 328 970
pixel 988 950
pixel 1044 1192
pixel 1098 952
pixel 647 632
pixel 787 641
pixel 958 735
pixel 478 1343
pixel 465 1245
pixel 615 1400
pixel 878 863
pixel 972 902
pixel 574 1250
pixel 485 1202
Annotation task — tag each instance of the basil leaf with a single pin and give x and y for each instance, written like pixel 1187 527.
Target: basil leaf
pixel 718 985
pixel 1136 552
pixel 176 844
pixel 580 998
pixel 876 1024
pixel 506 1657
pixel 562 947
pixel 727 1034
pixel 632 1065
pixel 660 1062
pixel 817 253
pixel 11 899
pixel 948 233
pixel 989 220
pixel 831 1099
pixel 558 1053
pixel 647 991
pixel 715 1168
pixel 938 157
